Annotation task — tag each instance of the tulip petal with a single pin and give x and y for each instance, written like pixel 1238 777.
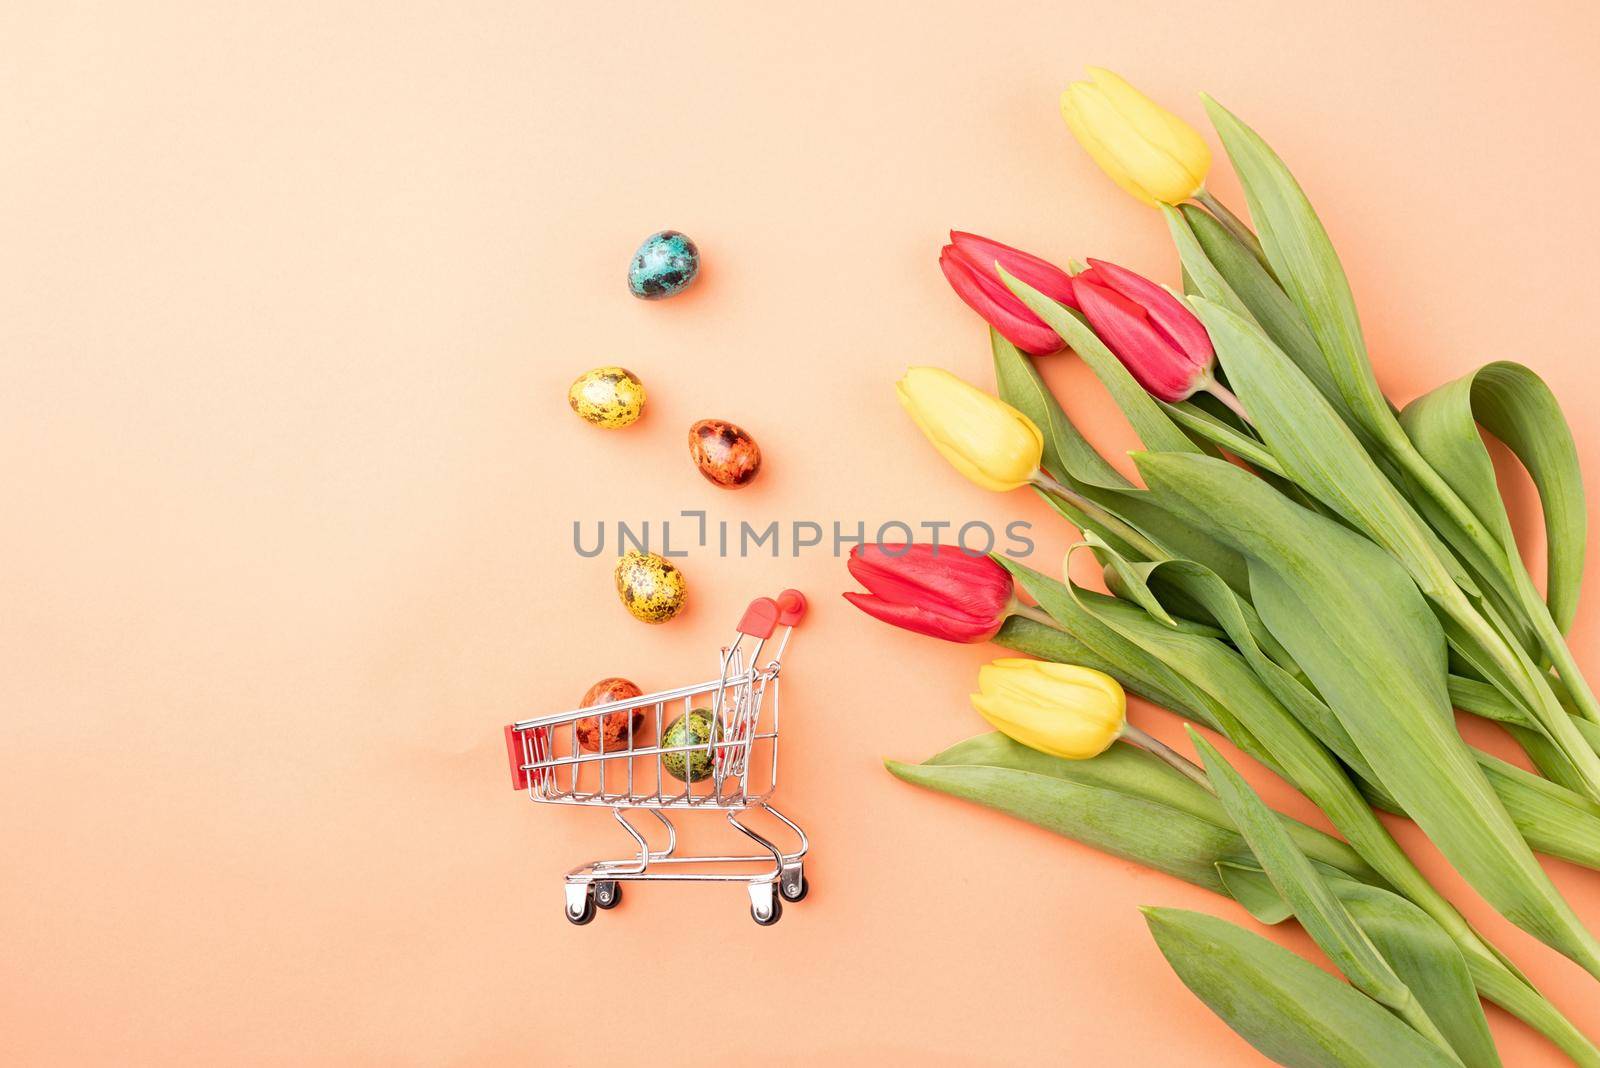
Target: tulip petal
pixel 982 277
pixel 1103 157
pixel 982 437
pixel 1180 141
pixel 1180 325
pixel 942 579
pixel 1062 709
pixel 998 306
pixel 1048 684
pixel 1141 166
pixel 912 618
pixel 1159 366
pixel 983 253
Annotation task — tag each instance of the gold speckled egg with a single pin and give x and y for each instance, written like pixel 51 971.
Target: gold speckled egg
pixel 609 397
pixel 651 588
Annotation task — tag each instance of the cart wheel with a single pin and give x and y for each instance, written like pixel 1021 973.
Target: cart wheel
pixel 777 913
pixel 797 893
pixel 608 894
pixel 586 915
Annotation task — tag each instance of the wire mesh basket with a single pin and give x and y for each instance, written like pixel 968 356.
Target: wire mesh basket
pixel 710 747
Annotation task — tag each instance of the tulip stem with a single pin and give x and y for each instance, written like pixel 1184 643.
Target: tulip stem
pixel 1227 396
pixel 1234 225
pixel 1112 523
pixel 1033 612
pixel 1156 747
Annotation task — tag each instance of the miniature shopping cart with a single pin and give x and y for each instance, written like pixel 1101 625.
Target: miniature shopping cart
pixel 711 747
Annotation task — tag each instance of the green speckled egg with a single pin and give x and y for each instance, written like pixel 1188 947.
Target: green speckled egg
pixel 697 728
pixel 651 588
pixel 609 397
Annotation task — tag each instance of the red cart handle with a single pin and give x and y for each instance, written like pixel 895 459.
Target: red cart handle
pixel 792 607
pixel 760 619
pixel 766 615
pixel 519 774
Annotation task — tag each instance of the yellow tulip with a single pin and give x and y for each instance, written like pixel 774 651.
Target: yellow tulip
pixel 1145 148
pixel 985 438
pixel 1061 709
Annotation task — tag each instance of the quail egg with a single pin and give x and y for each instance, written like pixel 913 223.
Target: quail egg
pixel 609 397
pixel 650 586
pixel 725 455
pixel 621 727
pixel 665 264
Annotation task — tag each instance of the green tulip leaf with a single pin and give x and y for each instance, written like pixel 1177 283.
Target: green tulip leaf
pixel 1069 457
pixel 1302 257
pixel 1290 1010
pixel 1283 733
pixel 1324 457
pixel 1319 452
pixel 1366 639
pixel 1047 642
pixel 1482 699
pixel 1552 819
pixel 1516 406
pixel 1428 962
pixel 1313 902
pixel 1233 277
pixel 1249 886
pixel 1066 451
pixel 1123 802
pixel 1127 579
pixel 1192 417
pixel 1415 947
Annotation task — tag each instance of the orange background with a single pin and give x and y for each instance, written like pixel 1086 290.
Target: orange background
pixel 289 300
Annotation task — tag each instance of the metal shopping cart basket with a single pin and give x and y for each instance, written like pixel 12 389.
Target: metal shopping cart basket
pixel 715 750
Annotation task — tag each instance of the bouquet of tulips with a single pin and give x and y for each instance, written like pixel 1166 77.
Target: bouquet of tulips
pixel 1302 567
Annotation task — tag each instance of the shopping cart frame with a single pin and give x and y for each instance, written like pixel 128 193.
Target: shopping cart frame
pixel 716 774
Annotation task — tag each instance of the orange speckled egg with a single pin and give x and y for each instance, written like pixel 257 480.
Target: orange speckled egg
pixel 725 455
pixel 615 731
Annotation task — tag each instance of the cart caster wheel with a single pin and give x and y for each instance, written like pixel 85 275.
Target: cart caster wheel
pixel 774 917
pixel 585 915
pixel 796 891
pixel 608 894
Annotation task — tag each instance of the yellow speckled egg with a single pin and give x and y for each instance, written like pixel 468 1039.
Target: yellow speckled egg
pixel 651 588
pixel 609 397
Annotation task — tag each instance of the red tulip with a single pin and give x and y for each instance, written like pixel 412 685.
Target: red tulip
pixel 968 263
pixel 935 590
pixel 1157 339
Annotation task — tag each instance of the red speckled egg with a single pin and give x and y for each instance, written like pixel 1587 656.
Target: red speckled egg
pixel 616 723
pixel 726 455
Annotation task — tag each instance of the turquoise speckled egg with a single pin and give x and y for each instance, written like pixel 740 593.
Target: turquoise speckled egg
pixel 665 264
